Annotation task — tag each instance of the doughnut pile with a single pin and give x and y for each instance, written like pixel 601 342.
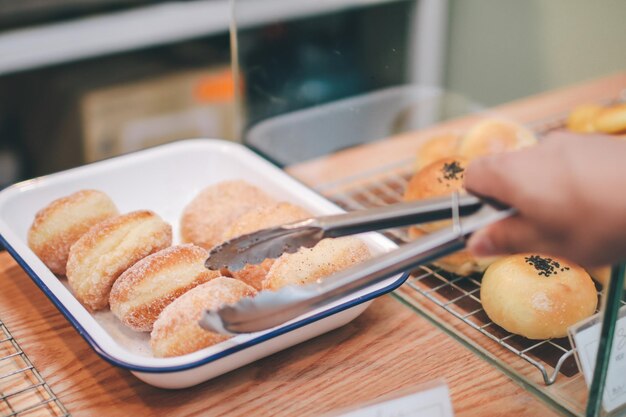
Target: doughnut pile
pixel 126 262
pixel 592 118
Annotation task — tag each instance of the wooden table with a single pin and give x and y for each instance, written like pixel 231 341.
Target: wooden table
pixel 386 349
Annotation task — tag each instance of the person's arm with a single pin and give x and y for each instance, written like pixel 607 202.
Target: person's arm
pixel 570 192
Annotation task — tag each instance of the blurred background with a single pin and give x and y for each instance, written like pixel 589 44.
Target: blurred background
pixel 84 80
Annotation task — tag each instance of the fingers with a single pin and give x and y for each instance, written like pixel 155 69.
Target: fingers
pixel 512 235
pixel 489 177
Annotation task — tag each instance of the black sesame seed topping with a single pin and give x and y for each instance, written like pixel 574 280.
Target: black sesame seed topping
pixel 545 266
pixel 452 170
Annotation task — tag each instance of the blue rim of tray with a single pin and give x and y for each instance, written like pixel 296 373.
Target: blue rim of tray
pixel 167 369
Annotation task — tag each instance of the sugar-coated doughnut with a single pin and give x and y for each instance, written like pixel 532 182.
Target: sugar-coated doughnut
pixel 262 218
pixel 537 296
pixel 140 294
pixel 177 332
pixel 582 118
pixel 108 249
pixel 441 178
pixel 61 223
pixel 437 147
pixel 611 119
pixel 494 136
pixel 214 209
pixel 309 265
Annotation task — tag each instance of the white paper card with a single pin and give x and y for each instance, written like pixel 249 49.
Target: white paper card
pixel 587 339
pixel 433 402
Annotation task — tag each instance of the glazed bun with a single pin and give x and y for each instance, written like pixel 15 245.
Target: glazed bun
pixel 310 265
pixel 262 218
pixel 140 294
pixel 177 332
pixel 108 249
pixel 611 120
pixel 441 178
pixel 207 217
pixel 537 297
pixel 60 224
pixel 582 118
pixel 494 136
pixel 437 147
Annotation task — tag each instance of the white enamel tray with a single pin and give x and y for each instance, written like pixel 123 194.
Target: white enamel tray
pixel 165 179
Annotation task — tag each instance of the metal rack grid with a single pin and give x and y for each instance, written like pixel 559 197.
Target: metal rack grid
pixel 23 391
pixel 458 295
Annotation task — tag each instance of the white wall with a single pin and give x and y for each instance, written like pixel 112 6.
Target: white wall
pixel 499 50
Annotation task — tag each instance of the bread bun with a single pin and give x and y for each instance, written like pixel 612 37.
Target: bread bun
pixel 441 178
pixel 437 147
pixel 463 263
pixel 537 297
pixel 108 249
pixel 177 332
pixel 582 118
pixel 310 265
pixel 262 218
pixel 61 223
pixel 494 136
pixel 214 209
pixel 611 120
pixel 140 294
pixel 460 263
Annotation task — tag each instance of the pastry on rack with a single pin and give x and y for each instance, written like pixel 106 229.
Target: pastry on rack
pixel 611 120
pixel 437 147
pixel 206 218
pixel 61 223
pixel 593 118
pixel 254 220
pixel 310 265
pixel 439 179
pixel 177 332
pixel 537 296
pixel 493 136
pixel 582 118
pixel 140 294
pixel 108 249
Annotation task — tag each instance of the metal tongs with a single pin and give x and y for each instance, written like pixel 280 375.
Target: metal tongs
pixel 272 308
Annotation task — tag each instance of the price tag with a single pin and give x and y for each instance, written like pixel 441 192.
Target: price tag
pixel 586 338
pixel 428 402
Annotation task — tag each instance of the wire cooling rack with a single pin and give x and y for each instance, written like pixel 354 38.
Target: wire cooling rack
pixel 23 391
pixel 457 295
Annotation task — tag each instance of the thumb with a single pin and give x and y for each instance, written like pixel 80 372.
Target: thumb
pixel 512 235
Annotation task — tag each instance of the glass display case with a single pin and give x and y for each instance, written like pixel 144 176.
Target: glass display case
pixel 375 98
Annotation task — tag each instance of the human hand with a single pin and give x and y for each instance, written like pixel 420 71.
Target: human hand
pixel 570 193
